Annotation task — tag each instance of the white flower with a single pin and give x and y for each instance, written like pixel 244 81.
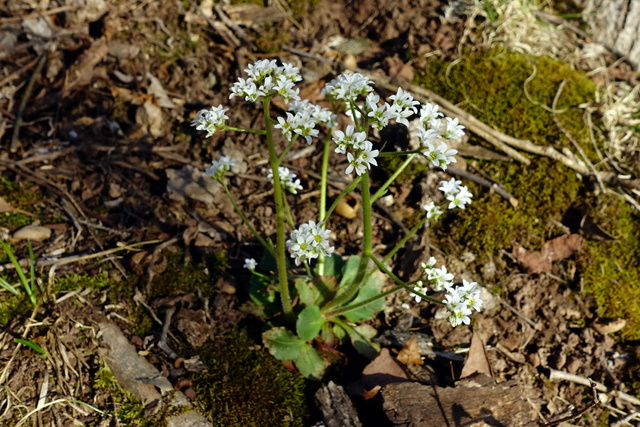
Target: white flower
pixel 259 70
pixel 362 160
pixel 427 137
pixel 459 312
pixel 439 278
pixel 451 129
pixel 429 264
pixel 284 88
pixel 450 187
pixel 319 114
pixel 347 87
pixel 218 168
pixel 300 123
pixel 247 89
pixel 210 120
pixel 349 140
pixel 433 210
pixel 459 199
pixel 470 293
pixel 250 264
pixel 419 287
pixel 309 241
pixel 429 114
pixel 287 179
pixel 441 156
pixel 403 106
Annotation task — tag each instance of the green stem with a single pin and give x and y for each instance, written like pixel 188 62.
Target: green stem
pixel 398 246
pixel 322 209
pixel 342 310
pixel 257 131
pixel 392 178
pixel 283 281
pixel 287 149
pixel 400 283
pixel 353 288
pixel 267 244
pixel 344 192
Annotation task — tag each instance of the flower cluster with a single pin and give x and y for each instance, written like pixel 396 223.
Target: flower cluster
pixel 218 168
pixel 457 194
pixel 302 119
pixel 309 241
pixel 287 179
pixel 460 300
pixel 348 87
pixel 210 120
pixel 360 152
pixel 432 133
pixel 267 79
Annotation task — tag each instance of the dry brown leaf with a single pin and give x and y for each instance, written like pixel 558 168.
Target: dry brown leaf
pixel 370 394
pixel 383 370
pixel 409 355
pixel 81 72
pixel 531 262
pixel 477 360
pixel 563 247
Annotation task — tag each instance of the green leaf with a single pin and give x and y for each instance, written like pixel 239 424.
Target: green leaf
pixel 326 287
pixel 361 337
pixel 35 347
pixel 282 343
pixel 310 363
pixel 340 333
pixel 308 293
pixel 6 285
pixel 309 322
pixel 332 266
pixel 369 289
pixel 349 271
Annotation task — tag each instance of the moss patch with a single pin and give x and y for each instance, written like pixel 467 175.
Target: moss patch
pixel 21 196
pixel 245 386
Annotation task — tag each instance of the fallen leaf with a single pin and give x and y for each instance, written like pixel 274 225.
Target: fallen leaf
pixel 409 355
pixel 477 360
pixel 383 370
pixel 563 247
pixel 530 261
pixel 370 394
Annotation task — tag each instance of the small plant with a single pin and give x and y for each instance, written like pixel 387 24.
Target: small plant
pixel 323 299
pixel 29 285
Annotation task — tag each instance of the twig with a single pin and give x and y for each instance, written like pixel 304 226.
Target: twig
pixel 572 140
pixel 485 183
pixel 555 375
pixel 576 414
pixel 23 103
pixel 75 258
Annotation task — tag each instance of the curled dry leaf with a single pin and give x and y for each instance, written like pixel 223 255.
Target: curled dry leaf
pixel 409 355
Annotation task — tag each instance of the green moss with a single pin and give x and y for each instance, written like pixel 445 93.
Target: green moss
pixel 129 410
pixel 21 196
pixel 272 39
pixel 98 282
pixel 491 86
pixel 611 268
pixel 245 386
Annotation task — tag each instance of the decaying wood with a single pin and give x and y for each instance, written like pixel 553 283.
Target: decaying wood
pixel 474 401
pixel 337 408
pixel 616 24
pixel 142 379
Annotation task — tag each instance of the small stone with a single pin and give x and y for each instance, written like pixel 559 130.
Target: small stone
pixel 36 233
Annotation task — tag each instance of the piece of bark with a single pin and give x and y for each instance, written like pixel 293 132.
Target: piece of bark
pixel 474 401
pixel 337 408
pixel 142 379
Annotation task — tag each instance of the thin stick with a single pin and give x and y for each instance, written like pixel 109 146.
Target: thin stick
pixel 555 375
pixel 23 103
